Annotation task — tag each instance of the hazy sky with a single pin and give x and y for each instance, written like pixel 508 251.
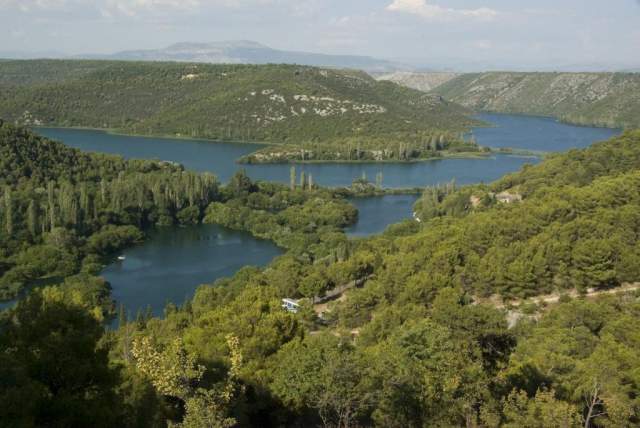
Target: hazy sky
pixel 538 33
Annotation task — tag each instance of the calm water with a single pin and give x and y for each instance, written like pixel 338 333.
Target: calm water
pixel 376 213
pixel 220 158
pixel 174 261
pixel 520 132
pixel 537 133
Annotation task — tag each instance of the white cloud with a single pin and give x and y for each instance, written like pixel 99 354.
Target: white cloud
pixel 482 44
pixel 113 8
pixel 133 7
pixel 18 34
pixel 28 5
pixel 434 12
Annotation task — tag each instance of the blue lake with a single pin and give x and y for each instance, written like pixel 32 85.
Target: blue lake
pixel 174 261
pixel 519 132
pixel 219 158
pixel 376 213
pixel 540 134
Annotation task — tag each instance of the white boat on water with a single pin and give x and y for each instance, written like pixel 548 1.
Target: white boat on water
pixel 121 257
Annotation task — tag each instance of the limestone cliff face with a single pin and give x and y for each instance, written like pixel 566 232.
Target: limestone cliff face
pixel 420 81
pixel 603 99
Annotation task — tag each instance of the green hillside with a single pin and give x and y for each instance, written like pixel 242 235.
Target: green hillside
pixel 62 211
pixel 431 329
pixel 287 104
pixel 602 99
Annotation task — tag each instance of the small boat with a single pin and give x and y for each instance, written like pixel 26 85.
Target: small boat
pixel 121 257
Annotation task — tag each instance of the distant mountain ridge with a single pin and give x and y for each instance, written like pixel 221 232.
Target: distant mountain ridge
pixel 249 52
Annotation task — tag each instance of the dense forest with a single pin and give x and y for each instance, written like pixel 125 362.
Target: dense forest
pixel 598 99
pixel 419 337
pixel 65 212
pixel 284 104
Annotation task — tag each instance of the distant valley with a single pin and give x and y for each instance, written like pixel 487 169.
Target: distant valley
pixel 599 99
pixel 416 80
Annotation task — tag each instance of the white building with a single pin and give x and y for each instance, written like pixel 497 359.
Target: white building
pixel 291 305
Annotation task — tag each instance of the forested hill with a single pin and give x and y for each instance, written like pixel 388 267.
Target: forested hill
pixel 420 339
pixel 272 103
pixel 602 99
pixel 570 222
pixel 62 211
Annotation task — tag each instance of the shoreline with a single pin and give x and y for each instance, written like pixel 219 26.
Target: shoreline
pixel 114 131
pixel 551 117
pixel 462 155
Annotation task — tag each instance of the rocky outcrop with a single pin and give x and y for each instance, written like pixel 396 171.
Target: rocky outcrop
pixel 421 81
pixel 601 99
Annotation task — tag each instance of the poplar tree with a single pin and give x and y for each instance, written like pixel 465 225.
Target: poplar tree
pixel 303 180
pixel 52 205
pixel 8 205
pixel 32 218
pixel 292 178
pixel 379 179
pixel 84 202
pixel 103 191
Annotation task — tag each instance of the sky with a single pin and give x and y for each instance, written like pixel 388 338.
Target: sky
pixel 518 34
